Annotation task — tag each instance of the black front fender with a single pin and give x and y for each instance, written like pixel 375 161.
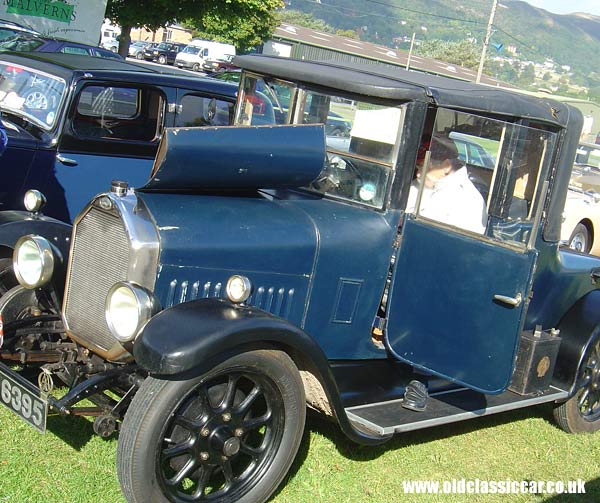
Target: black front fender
pixel 195 336
pixel 14 224
pixel 579 328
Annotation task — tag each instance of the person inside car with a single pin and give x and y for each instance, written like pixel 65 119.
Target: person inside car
pixel 448 194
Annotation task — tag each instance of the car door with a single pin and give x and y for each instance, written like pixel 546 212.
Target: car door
pixel 112 132
pixel 458 297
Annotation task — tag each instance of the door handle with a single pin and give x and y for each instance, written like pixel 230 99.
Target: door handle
pixel 511 301
pixel 65 160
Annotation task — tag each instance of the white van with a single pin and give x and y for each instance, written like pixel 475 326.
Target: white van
pixel 199 51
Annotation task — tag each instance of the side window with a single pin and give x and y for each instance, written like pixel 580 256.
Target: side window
pixel 481 175
pixel 201 111
pixel 260 104
pixel 74 50
pixel 361 139
pixel 118 113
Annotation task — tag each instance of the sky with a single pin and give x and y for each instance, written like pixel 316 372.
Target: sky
pixel 568 6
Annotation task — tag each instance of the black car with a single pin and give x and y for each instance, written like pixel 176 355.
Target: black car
pixel 148 51
pixel 25 42
pixel 166 52
pixel 74 123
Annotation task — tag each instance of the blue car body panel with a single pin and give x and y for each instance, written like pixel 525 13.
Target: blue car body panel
pixel 319 273
pixel 92 174
pixel 454 328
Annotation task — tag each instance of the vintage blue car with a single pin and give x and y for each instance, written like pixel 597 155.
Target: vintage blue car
pixel 262 269
pixel 74 123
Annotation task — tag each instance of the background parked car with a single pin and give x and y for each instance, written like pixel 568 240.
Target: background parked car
pixel 166 52
pixel 219 65
pixel 28 42
pixel 9 29
pixel 148 51
pixel 136 49
pixel 111 44
pixel 581 226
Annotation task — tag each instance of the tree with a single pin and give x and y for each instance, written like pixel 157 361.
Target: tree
pixel 250 20
pixel 304 19
pixel 463 53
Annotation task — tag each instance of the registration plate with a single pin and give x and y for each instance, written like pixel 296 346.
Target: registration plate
pixel 20 396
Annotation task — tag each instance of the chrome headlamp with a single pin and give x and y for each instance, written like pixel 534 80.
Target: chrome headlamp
pixel 33 261
pixel 34 200
pixel 128 308
pixel 238 288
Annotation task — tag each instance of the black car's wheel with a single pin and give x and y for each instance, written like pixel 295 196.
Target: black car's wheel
pixel 227 436
pixel 581 413
pixel 580 239
pixel 7 275
pixel 139 55
pixel 196 67
pixel 162 60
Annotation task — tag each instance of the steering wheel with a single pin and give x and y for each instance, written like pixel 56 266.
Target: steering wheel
pixel 339 176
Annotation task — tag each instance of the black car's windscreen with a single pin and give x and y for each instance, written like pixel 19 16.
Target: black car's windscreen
pixel 32 94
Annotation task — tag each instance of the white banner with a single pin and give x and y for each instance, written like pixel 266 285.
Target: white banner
pixel 76 20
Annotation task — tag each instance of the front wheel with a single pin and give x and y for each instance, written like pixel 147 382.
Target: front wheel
pixel 162 60
pixel 227 436
pixel 581 413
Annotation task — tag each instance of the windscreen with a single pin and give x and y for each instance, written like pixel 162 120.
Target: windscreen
pixel 34 95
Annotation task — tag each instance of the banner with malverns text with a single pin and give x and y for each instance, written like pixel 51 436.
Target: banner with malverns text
pixel 76 20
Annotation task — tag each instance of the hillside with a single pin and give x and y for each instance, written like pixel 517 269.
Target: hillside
pixel 534 33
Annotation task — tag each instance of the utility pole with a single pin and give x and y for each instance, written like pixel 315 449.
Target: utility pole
pixel 486 41
pixel 412 43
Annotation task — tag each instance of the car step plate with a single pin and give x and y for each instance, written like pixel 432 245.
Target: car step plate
pixel 23 398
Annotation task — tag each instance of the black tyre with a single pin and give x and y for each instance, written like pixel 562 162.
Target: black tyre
pixel 581 413
pixel 196 67
pixel 7 276
pixel 162 60
pixel 227 436
pixel 580 239
pixel 139 55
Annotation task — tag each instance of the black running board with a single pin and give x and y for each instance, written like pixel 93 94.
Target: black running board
pixel 387 418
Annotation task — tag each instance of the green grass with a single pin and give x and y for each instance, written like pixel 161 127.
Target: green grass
pixel 71 465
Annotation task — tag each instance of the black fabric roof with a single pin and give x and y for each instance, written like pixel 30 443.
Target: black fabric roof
pixel 401 85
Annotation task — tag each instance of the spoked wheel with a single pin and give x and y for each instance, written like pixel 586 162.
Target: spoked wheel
pixel 162 60
pixel 7 276
pixel 581 413
pixel 580 240
pixel 228 436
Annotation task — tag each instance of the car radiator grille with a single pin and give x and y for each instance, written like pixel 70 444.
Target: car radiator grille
pixel 99 258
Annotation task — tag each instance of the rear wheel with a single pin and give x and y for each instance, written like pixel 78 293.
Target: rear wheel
pixel 227 436
pixel 581 413
pixel 139 55
pixel 196 67
pixel 581 239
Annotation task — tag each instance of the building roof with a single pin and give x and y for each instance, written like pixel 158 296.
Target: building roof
pixel 377 52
